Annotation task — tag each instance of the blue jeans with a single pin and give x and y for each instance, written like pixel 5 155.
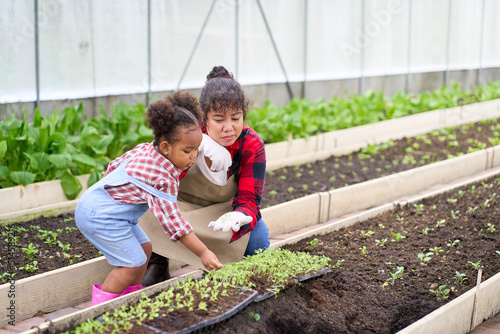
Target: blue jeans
pixel 259 238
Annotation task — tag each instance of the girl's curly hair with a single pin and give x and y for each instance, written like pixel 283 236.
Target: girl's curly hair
pixel 222 93
pixel 165 117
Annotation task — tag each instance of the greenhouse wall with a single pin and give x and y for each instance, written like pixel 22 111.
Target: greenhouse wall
pixel 61 52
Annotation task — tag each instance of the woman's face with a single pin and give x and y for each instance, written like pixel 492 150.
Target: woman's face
pixel 225 127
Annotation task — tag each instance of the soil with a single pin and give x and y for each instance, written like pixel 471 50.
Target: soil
pixel 350 298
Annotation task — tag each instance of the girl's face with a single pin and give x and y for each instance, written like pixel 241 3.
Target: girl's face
pixel 184 151
pixel 225 127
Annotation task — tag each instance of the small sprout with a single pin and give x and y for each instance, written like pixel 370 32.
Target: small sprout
pixel 290 190
pixel 313 242
pixel 366 234
pixel 381 243
pixel 424 258
pixel 454 214
pixel 436 250
pixel 491 228
pixel 426 230
pixel 460 193
pixel 440 223
pixel 475 265
pixel 472 209
pixel 453 243
pixel 273 193
pixel 498 252
pixel 452 200
pixel 298 175
pixel 381 226
pixel 305 186
pixel 400 219
pixel 254 316
pixel 441 292
pixel 397 237
pixel 282 177
pixel 364 251
pixel 460 277
pixel 398 274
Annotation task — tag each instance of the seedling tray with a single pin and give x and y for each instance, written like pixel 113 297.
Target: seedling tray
pixel 265 295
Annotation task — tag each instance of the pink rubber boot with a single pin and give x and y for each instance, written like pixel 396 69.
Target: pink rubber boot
pixel 99 296
pixel 131 288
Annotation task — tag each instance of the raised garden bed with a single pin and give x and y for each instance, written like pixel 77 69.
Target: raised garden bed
pixel 370 292
pixel 278 223
pixel 282 185
pixel 383 285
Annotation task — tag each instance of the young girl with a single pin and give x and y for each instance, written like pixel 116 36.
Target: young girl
pixel 147 177
pixel 224 106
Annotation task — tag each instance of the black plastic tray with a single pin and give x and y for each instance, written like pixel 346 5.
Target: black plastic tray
pixel 302 278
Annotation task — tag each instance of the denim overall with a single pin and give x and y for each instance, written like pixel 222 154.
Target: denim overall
pixel 112 226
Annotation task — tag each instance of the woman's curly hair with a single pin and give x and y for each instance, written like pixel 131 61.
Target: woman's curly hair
pixel 165 117
pixel 222 93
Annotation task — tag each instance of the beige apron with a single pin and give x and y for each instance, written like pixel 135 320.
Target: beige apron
pixel 200 202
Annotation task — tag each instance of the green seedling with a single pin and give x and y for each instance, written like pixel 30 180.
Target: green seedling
pixel 475 265
pixel 454 214
pixel 426 230
pixel 472 209
pixel 397 237
pixel 397 274
pixel 452 200
pixel 6 277
pixel 453 243
pixel 381 226
pixel 491 228
pixel 363 250
pixel 440 223
pixel 30 268
pixel 71 258
pixel 30 251
pixel 67 220
pixel 460 277
pixel 313 242
pixel 254 316
pixel 382 242
pixel 441 292
pixel 436 250
pixel 64 247
pixel 290 190
pixel 273 193
pixel 366 234
pixel 424 258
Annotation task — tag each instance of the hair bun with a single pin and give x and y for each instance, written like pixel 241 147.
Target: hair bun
pixel 219 72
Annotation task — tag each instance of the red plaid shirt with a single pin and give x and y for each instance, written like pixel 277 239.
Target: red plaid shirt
pixel 152 168
pixel 249 168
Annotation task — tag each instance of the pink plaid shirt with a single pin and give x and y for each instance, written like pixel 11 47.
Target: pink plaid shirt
pixel 150 167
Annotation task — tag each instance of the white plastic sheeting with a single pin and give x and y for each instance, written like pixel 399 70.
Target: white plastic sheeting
pixel 92 48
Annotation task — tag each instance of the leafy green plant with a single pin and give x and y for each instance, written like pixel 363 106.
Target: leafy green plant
pixel 397 274
pixel 381 242
pixel 30 251
pixel 460 277
pixel 254 316
pixel 30 267
pixel 363 250
pixel 475 265
pixel 441 292
pixel 313 242
pixel 436 250
pixel 397 237
pixel 424 258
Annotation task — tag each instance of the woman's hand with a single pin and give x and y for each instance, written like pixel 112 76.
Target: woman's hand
pixel 231 220
pixel 218 155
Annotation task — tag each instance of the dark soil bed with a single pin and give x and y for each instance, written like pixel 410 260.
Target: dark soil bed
pixel 359 297
pixel 368 163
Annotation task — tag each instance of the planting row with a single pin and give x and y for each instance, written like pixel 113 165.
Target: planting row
pixel 42 246
pixel 196 303
pixel 395 268
pixel 67 145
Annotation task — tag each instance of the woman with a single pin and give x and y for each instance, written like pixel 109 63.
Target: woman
pixel 230 200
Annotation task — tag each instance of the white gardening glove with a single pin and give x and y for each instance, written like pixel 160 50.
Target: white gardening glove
pixel 218 154
pixel 231 220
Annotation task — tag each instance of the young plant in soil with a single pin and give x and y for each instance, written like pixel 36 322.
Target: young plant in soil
pixel 218 291
pixel 359 297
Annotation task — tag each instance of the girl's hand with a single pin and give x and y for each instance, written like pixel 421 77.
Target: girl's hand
pixel 209 260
